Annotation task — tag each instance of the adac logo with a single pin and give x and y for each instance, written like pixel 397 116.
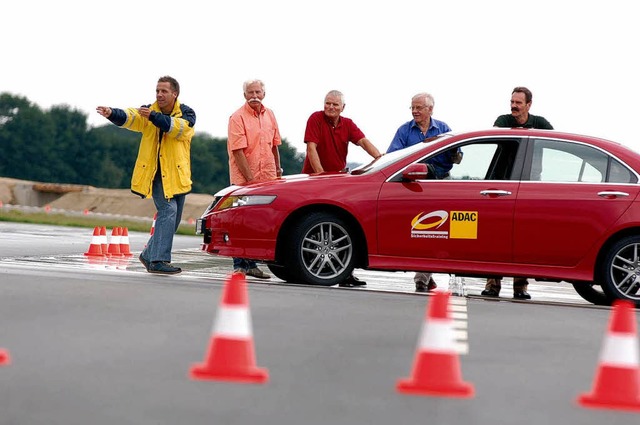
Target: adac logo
pixel 427 225
pixel 434 219
pixel 460 225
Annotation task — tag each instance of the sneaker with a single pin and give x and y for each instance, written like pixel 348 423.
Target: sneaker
pixel 144 262
pixel 521 295
pixel 421 286
pixel 163 267
pixel 431 285
pixel 351 282
pixel 240 270
pixel 490 292
pixel 256 272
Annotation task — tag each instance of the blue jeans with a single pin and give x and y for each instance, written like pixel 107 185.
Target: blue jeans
pixel 169 215
pixel 243 263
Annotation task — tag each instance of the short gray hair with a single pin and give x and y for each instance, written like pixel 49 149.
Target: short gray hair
pixel 249 82
pixel 428 98
pixel 337 94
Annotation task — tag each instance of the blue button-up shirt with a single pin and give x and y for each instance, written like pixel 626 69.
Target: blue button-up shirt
pixel 409 134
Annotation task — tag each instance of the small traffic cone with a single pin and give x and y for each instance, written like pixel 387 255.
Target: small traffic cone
pixel 103 241
pixel 231 355
pixel 5 358
pixel 124 243
pixel 95 248
pixel 114 243
pixel 436 367
pixel 153 225
pixel 617 382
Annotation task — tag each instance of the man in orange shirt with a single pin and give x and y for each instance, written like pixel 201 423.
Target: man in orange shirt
pixel 252 144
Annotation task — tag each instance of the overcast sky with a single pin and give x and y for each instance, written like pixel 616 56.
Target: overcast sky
pixel 580 59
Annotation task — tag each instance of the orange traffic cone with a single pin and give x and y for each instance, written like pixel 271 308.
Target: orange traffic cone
pixel 114 243
pixel 124 243
pixel 95 248
pixel 153 225
pixel 436 367
pixel 5 358
pixel 103 241
pixel 231 355
pixel 617 382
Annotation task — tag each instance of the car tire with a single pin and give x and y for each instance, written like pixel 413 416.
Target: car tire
pixel 323 250
pixel 619 273
pixel 592 293
pixel 281 273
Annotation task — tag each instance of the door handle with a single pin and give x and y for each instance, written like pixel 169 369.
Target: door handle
pixel 612 194
pixel 495 193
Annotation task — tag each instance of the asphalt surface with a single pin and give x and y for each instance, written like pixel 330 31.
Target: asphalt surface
pixel 106 342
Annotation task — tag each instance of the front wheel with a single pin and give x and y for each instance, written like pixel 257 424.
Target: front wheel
pixel 620 271
pixel 281 273
pixel 323 250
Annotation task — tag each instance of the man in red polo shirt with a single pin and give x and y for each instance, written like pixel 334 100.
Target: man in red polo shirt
pixel 327 137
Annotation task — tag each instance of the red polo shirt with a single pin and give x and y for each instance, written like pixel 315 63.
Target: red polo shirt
pixel 332 142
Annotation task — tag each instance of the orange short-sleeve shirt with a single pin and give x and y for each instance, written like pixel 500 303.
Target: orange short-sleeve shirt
pixel 256 134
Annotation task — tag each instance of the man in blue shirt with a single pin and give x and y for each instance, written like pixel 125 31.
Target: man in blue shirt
pixel 422 127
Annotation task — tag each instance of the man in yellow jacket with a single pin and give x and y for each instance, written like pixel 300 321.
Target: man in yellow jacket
pixel 163 166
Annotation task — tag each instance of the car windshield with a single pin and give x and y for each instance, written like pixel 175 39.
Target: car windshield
pixel 390 158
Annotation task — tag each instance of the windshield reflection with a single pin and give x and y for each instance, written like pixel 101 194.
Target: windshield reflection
pixel 390 158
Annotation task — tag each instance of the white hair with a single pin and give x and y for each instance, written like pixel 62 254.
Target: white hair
pixel 337 94
pixel 249 82
pixel 428 98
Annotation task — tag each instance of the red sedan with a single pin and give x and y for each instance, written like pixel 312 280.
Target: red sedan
pixel 534 203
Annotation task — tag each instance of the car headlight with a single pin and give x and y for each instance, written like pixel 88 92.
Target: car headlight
pixel 244 201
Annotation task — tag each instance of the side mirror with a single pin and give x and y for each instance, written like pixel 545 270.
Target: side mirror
pixel 415 172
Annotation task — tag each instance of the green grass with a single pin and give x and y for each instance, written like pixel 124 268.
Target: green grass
pixel 84 221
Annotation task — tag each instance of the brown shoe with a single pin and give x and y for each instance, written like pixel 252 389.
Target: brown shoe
pixel 256 272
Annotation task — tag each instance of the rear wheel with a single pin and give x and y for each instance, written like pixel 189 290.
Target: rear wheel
pixel 592 292
pixel 620 270
pixel 323 251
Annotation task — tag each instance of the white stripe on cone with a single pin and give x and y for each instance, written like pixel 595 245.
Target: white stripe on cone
pixel 437 336
pixel 233 323
pixel 115 238
pixel 620 350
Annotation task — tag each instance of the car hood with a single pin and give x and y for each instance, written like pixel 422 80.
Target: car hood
pixel 291 179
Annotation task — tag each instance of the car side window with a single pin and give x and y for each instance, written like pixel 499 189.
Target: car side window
pixel 560 161
pixel 618 173
pixel 487 160
pixel 476 162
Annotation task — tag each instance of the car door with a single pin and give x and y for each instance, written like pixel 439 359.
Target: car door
pixel 572 194
pixel 468 216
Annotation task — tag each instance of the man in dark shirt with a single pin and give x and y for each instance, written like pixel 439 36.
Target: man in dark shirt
pixel 521 98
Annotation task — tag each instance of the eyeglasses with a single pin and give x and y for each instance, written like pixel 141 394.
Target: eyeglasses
pixel 419 108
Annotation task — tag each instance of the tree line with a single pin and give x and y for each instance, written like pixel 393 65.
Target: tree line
pixel 57 146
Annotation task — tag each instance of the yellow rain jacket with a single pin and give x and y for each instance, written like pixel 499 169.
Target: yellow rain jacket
pixel 166 140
